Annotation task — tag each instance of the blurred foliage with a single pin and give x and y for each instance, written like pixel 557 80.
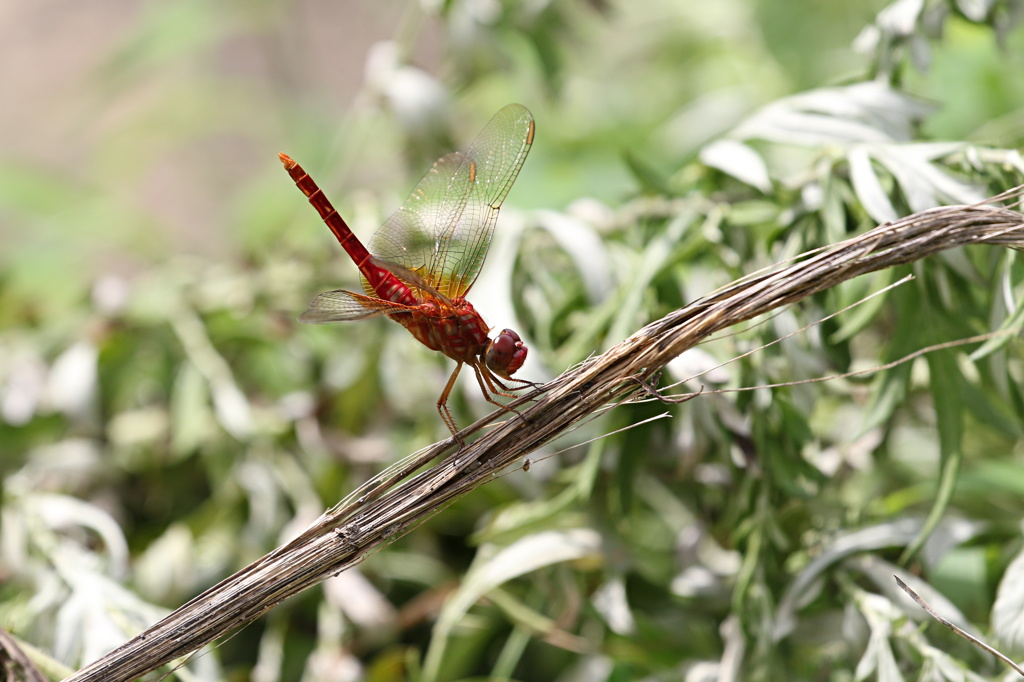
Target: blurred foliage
pixel 164 420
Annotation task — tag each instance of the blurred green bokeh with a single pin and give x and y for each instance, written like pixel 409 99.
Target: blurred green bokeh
pixel 164 420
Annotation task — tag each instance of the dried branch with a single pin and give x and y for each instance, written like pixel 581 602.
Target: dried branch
pixel 400 500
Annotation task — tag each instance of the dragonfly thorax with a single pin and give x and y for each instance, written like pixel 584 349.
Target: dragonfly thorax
pixel 457 330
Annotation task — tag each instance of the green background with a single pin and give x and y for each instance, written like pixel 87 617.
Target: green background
pixel 164 420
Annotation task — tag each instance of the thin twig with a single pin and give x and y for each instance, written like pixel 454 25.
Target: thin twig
pixel 966 635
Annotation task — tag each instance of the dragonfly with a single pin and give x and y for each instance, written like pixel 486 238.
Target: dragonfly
pixel 419 265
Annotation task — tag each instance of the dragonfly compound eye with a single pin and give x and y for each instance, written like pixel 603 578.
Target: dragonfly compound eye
pixel 506 353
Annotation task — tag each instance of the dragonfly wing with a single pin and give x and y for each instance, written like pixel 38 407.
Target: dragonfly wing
pixel 340 305
pixel 409 238
pixel 477 191
pixel 444 228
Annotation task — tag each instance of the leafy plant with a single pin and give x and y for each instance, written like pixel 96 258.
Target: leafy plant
pixel 164 421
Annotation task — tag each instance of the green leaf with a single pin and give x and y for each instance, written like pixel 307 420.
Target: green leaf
pixel 949 408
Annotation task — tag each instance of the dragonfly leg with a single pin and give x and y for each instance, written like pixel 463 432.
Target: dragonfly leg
pixel 487 383
pixel 502 389
pixel 442 405
pixel 525 384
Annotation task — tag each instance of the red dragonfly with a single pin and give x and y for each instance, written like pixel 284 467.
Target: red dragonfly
pixel 421 263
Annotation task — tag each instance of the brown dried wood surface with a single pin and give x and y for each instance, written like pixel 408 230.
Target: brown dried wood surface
pixel 401 498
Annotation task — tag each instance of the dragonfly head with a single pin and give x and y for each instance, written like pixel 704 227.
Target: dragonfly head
pixel 505 353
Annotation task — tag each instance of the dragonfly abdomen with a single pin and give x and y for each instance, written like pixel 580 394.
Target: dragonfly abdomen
pixel 385 284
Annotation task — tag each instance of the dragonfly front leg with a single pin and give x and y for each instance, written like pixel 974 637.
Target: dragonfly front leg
pixel 487 381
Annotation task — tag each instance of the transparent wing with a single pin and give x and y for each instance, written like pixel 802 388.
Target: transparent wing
pixel 444 228
pixel 408 237
pixel 340 305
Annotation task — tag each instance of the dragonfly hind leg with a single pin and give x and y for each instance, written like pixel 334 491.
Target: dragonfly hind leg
pixel 442 405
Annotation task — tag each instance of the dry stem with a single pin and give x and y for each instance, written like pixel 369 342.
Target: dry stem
pixel 399 499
